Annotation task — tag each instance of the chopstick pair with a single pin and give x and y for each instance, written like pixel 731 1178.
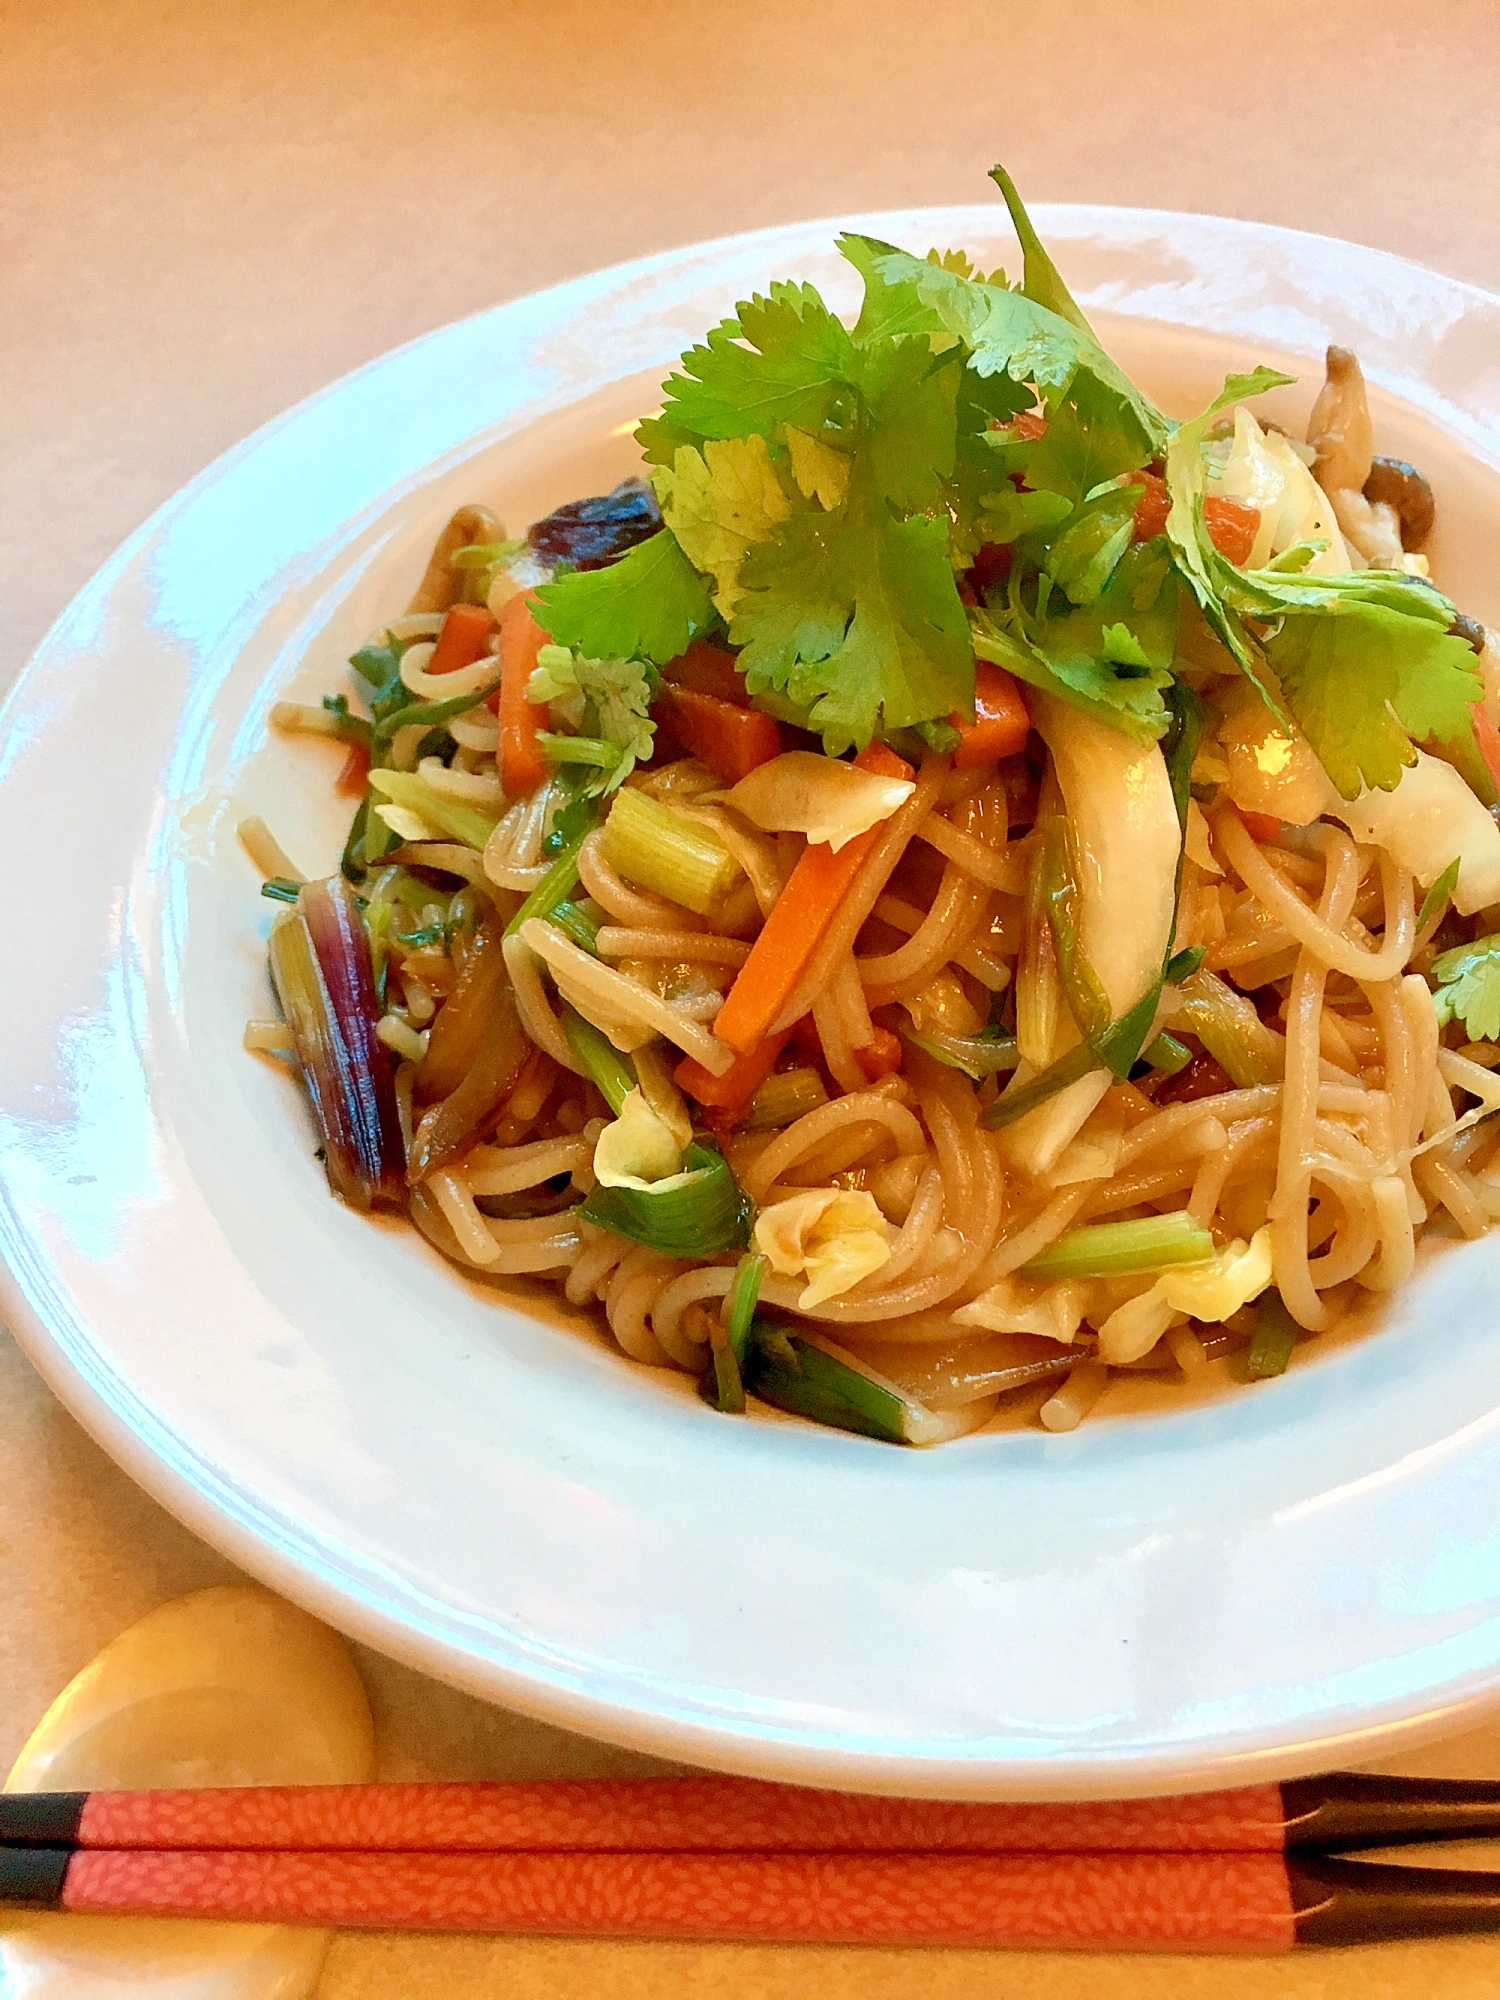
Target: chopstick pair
pixel 726 1858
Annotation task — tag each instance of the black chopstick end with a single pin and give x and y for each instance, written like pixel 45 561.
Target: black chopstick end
pixel 1373 1902
pixel 41 1819
pixel 34 1876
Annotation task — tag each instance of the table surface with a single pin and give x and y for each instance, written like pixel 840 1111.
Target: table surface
pixel 209 212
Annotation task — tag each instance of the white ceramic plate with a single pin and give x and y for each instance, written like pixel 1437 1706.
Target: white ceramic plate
pixel 1281 1579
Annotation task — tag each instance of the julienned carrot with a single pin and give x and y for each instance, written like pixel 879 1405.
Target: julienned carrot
pixel 1001 724
pixel 522 766
pixel 707 669
pixel 1232 524
pixel 462 638
pixel 354 772
pixel 731 740
pixel 1487 740
pixel 734 1089
pixel 880 1056
pixel 798 919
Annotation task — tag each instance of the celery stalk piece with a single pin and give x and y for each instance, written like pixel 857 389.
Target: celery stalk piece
pixel 612 1072
pixel 659 850
pixel 792 1375
pixel 1119 1249
pixel 784 1096
pixel 321 968
pixel 705 1212
pixel 456 817
pixel 1276 1334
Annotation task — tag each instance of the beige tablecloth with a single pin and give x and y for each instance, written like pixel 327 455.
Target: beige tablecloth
pixel 209 211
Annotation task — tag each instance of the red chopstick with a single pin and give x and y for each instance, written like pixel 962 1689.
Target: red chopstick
pixel 732 1858
pixel 1162 1902
pixel 1332 1814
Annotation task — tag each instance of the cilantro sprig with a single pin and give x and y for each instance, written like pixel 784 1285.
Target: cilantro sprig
pixel 823 487
pixel 1468 988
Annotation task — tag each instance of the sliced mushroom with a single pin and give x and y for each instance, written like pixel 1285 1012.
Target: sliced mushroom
pixel 470 524
pixel 1469 629
pixel 1339 428
pixel 1339 432
pixel 1393 483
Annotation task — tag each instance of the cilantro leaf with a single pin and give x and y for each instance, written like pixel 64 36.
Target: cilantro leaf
pixel 854 616
pixel 1365 679
pixel 1040 278
pixel 1366 665
pixel 781 360
pixel 1007 333
pixel 1438 894
pixel 717 502
pixel 650 605
pixel 1468 987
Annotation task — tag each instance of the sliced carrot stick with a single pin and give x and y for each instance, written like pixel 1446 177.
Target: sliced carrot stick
pixel 798 919
pixel 732 741
pixel 707 669
pixel 522 766
pixel 1487 740
pixel 354 772
pixel 880 1056
pixel 1001 724
pixel 733 1090
pixel 1261 826
pixel 462 638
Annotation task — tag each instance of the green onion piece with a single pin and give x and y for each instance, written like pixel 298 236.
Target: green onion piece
pixel 1180 746
pixel 784 1096
pixel 456 817
pixel 432 713
pixel 1119 1047
pixel 740 1304
pixel 590 750
pixel 1183 964
pixel 1276 1334
pixel 792 1375
pixel 484 555
pixel 978 1056
pixel 730 1334
pixel 1120 1249
pixel 1087 1001
pixel 352 862
pixel 659 850
pixel 706 1213
pixel 1167 1054
pixel 555 887
pixel 1057 1076
pixel 281 890
pixel 576 924
pixel 1228 1026
pixel 611 1071
pixel 352 728
pixel 1438 894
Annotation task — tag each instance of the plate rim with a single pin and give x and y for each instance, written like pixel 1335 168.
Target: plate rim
pixel 709 1744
